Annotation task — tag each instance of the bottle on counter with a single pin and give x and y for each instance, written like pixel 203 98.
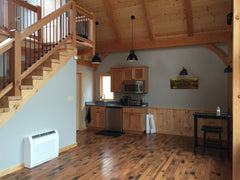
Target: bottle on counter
pixel 218 111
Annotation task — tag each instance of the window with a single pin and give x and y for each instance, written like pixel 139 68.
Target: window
pixel 105 87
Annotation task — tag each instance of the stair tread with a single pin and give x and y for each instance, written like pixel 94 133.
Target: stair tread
pixel 47 69
pixel 3 110
pixel 35 77
pixel 55 61
pixel 63 53
pixel 14 98
pixel 26 87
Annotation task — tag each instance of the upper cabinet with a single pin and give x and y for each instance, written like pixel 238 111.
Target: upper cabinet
pixel 119 74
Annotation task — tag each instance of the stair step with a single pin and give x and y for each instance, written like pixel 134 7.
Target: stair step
pixel 47 69
pixel 70 47
pixel 26 87
pixel 37 77
pixel 56 61
pixel 14 98
pixel 63 53
pixel 3 110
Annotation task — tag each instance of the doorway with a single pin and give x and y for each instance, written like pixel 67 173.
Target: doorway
pixel 79 121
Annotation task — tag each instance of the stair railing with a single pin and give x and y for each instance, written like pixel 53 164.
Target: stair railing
pixel 37 43
pixel 6 64
pixel 18 14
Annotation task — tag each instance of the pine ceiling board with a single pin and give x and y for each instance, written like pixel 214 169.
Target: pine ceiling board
pixel 168 17
pixel 104 31
pixel 122 11
pixel 210 15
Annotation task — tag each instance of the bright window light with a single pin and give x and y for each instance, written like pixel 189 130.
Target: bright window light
pixel 106 87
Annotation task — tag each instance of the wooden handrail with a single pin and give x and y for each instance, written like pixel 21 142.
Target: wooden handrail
pixel 35 27
pixel 25 5
pixel 6 45
pixel 84 12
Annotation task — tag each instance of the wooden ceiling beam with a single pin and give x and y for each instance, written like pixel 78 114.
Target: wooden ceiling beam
pixel 81 62
pixel 109 12
pixel 146 12
pixel 218 52
pixel 188 13
pixel 197 39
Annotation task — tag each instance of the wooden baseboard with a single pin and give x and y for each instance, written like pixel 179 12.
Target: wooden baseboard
pixel 21 166
pixel 11 170
pixel 68 147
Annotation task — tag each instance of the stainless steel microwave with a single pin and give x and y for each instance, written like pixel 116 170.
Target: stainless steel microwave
pixel 133 86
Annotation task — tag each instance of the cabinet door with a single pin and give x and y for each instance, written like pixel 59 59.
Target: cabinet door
pixel 139 73
pixel 100 119
pixel 134 122
pixel 128 74
pixel 116 80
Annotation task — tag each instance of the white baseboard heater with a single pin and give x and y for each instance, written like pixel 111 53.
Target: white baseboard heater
pixel 40 148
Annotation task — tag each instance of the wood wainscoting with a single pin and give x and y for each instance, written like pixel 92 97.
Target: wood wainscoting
pixel 181 122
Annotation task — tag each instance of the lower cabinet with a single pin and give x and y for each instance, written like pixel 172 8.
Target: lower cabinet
pixel 98 117
pixel 134 119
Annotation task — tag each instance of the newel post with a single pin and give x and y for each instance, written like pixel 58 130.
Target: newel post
pixel 16 62
pixel 73 24
pixel 10 14
pixel 39 17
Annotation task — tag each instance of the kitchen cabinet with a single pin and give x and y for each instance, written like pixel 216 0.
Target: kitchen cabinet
pixel 98 117
pixel 116 79
pixel 134 119
pixel 119 74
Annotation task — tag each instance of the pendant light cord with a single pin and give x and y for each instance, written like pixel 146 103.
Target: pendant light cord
pixel 96 35
pixel 132 33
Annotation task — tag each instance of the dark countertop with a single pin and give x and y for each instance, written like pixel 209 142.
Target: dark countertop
pixel 113 104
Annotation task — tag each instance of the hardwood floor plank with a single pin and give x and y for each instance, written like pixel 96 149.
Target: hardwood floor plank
pixel 130 156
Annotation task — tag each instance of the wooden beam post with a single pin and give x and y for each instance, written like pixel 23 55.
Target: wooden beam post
pixel 10 14
pixel 109 12
pixel 236 90
pixel 188 14
pixel 146 12
pixel 39 16
pixel 16 62
pixel 94 83
pixel 73 24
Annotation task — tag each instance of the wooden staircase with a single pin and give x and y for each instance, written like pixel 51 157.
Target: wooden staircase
pixel 26 82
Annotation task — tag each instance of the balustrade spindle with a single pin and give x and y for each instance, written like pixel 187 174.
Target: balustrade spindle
pixel 50 34
pixel 25 54
pixel 66 23
pixel 57 31
pixel 63 27
pixel 4 58
pixel 69 23
pixel 42 43
pixel 38 45
pixel 46 41
pixel 34 58
pixel 30 58
pixel 53 33
pixel 9 62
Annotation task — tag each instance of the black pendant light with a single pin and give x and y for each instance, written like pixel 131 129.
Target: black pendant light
pixel 183 72
pixel 132 56
pixel 96 59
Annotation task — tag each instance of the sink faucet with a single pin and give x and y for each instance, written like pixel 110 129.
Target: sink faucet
pixel 102 97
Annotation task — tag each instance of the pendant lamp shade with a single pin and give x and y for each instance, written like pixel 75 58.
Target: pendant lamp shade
pixel 228 69
pixel 132 56
pixel 96 59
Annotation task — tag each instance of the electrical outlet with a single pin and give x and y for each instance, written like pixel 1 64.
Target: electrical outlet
pixel 70 98
pixel 185 125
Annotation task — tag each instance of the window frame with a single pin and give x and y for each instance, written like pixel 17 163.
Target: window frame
pixel 100 85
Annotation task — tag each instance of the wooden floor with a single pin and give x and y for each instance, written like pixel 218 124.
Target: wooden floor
pixel 131 157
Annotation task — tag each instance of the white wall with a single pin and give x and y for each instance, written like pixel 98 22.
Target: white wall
pixel 48 109
pixel 166 63
pixel 87 88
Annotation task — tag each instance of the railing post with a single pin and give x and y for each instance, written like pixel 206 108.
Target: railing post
pixel 39 16
pixel 73 24
pixel 16 62
pixel 92 32
pixel 10 14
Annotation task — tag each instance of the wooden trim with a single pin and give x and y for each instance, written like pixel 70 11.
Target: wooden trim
pixel 35 27
pixel 113 23
pixel 10 14
pixel 25 5
pixel 84 12
pixel 4 91
pixel 44 58
pixel 84 63
pixel 85 41
pixel 68 147
pixel 188 13
pixel 73 24
pixel 197 39
pixel 146 12
pixel 218 52
pixel 6 45
pixel 236 89
pixel 94 84
pixel 79 72
pixel 11 170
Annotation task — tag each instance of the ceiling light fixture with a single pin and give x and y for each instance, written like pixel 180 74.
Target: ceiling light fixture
pixel 96 59
pixel 132 56
pixel 183 72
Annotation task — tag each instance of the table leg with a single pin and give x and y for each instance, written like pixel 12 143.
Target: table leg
pixel 195 135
